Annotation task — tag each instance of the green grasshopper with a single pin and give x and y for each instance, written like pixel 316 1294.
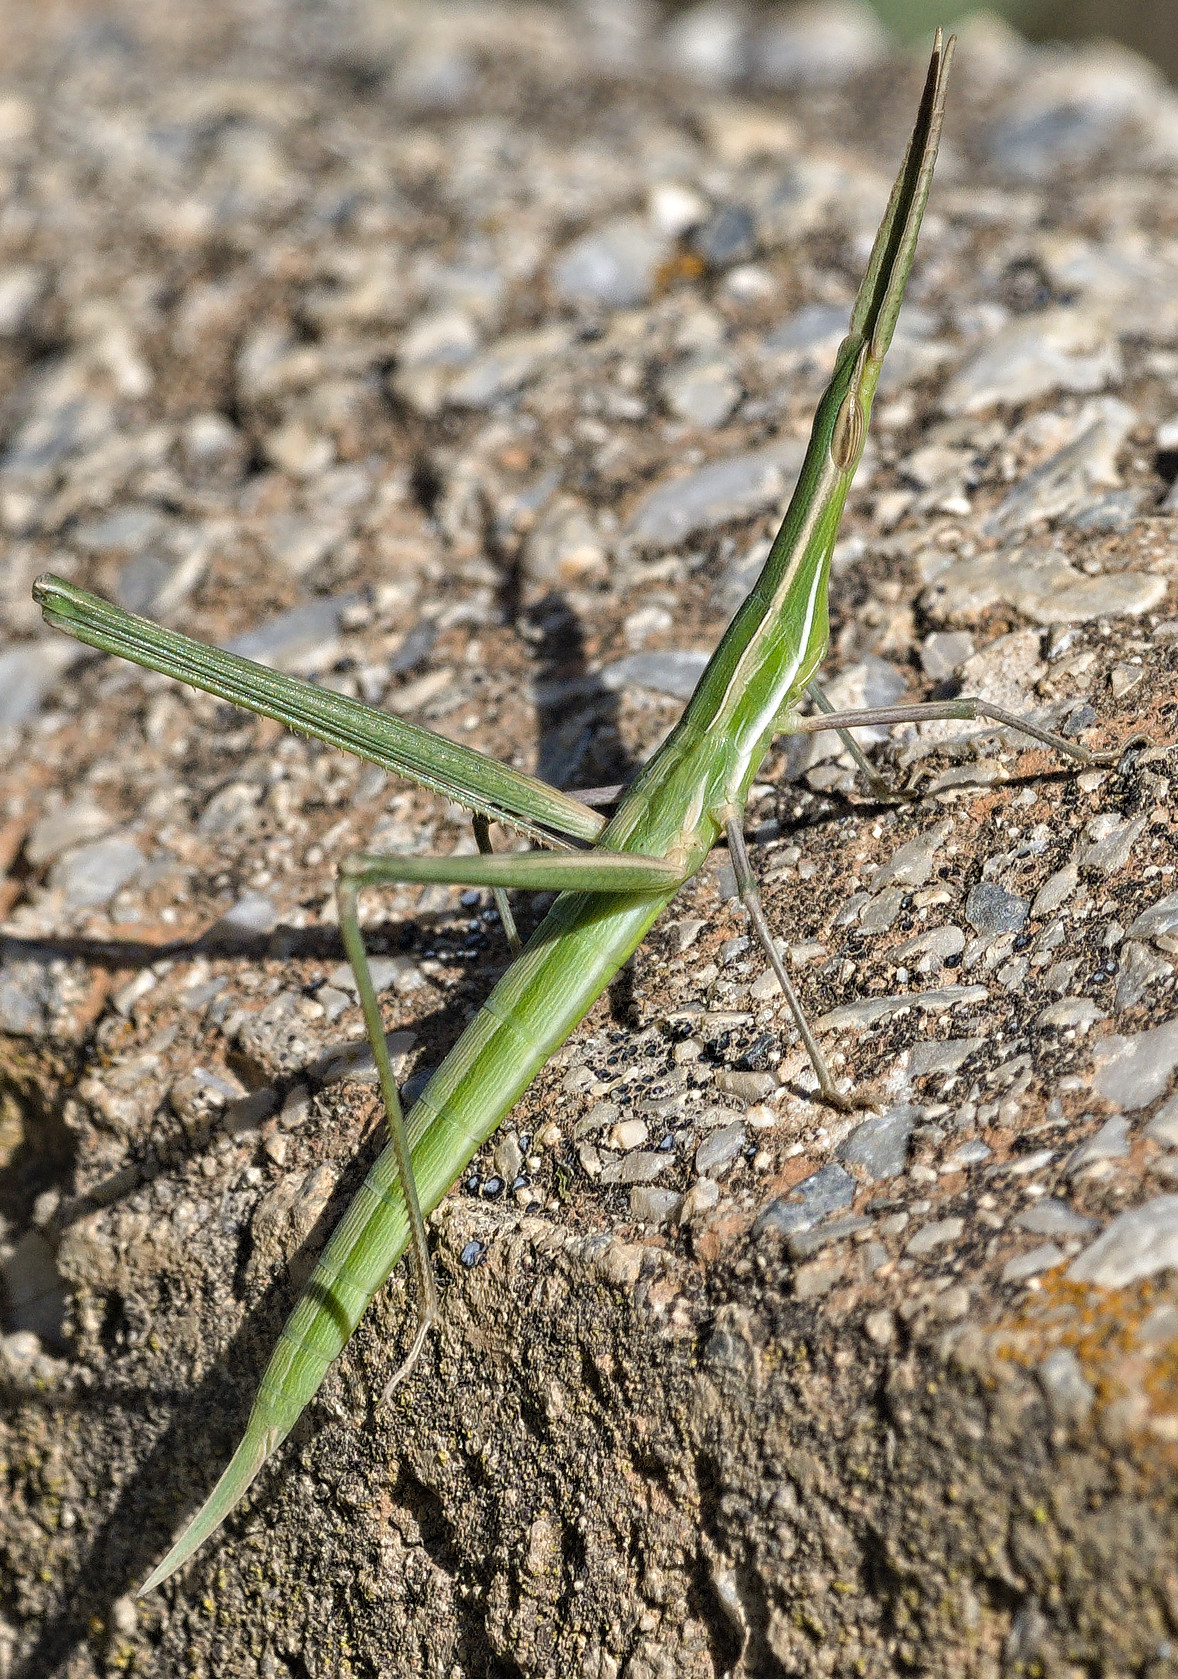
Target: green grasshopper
pixel 613 878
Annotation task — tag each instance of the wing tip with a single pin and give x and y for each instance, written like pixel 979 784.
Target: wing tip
pixel 235 1482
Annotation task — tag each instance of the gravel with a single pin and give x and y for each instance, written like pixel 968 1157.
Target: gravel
pixel 1138 1243
pixel 1025 1265
pixel 1053 1218
pixel 91 874
pixel 1111 1142
pixel 27 674
pixel 723 491
pixel 828 1190
pixel 1158 919
pixel 462 361
pixel 719 1149
pixel 674 672
pixel 932 1236
pixel 879 1145
pixel 1068 1393
pixel 990 909
pixel 1132 1071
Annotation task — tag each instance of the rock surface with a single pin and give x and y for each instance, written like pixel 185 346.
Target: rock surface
pixel 461 360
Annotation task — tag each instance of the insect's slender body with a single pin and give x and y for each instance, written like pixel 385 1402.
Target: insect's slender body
pixel 675 809
pixel 691 792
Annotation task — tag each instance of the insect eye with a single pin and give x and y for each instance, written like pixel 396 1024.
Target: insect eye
pixel 849 430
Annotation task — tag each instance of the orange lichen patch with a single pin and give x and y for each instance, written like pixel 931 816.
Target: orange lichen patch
pixel 1161 1384
pixel 683 267
pixel 1103 1328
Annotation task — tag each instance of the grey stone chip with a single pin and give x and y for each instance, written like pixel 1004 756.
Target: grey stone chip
pixel 1138 1243
pixel 827 1191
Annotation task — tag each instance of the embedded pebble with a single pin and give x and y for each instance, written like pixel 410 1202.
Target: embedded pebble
pixel 642 1166
pixel 880 1327
pixel 440 337
pixel 1079 1013
pixel 1158 920
pixel 252 916
pixel 399 973
pixel 1032 1264
pixel 880 1144
pixel 1138 1243
pixel 654 1206
pixel 719 1149
pixel 1024 1165
pixel 1159 1326
pixel 628 1134
pixel 717 493
pixel 1163 1127
pixel 1062 486
pixel 1040 584
pixel 809 337
pixel 28 995
pixel 676 671
pixel 92 874
pixel 126 529
pixel 506 366
pixel 614 265
pixel 929 951
pixel 1057 349
pixel 21 288
pixel 747 1087
pixel 936 1235
pixel 703 391
pixel 707 43
pixel 1111 1142
pixel 942 651
pixel 990 909
pixel 817 1278
pixel 872 1009
pixel 969 1154
pixel 701 1198
pixel 508 1158
pixel 566 545
pixel 35 1293
pixel 807 1242
pixel 814 46
pixel 57 832
pixel 1055 890
pixel 828 1190
pixel 1138 968
pixel 200 1094
pixel 728 236
pixel 879 915
pixel 298 542
pixel 1066 108
pixel 1113 840
pixel 1064 1386
pixel 1115 510
pixel 27 672
pixel 943 1057
pixel 1053 1218
pixel 1133 1071
pixel 288 637
pixel 912 864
